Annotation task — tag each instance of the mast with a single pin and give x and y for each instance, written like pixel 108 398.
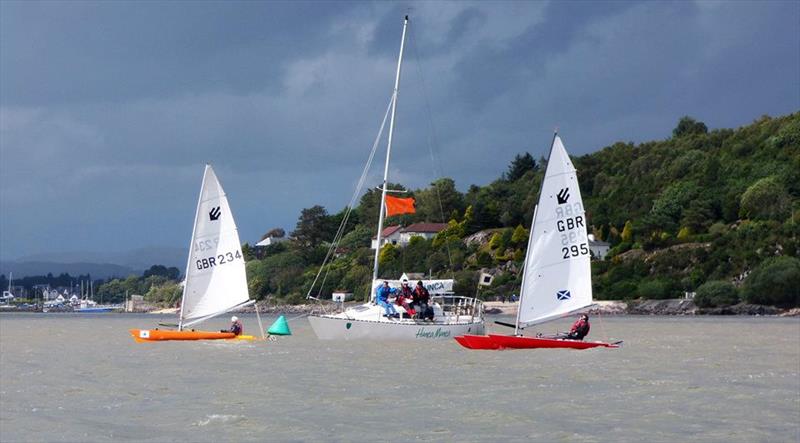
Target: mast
pixel 191 246
pixel 388 153
pixel 530 237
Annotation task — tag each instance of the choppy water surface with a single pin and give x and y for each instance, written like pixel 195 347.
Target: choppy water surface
pixel 66 377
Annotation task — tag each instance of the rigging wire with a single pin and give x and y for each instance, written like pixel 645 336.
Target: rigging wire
pixel 349 210
pixel 432 140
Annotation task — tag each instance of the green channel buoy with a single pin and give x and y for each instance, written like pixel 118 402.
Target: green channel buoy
pixel 280 327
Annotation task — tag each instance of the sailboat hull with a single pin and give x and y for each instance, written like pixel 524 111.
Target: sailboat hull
pixel 477 342
pixel 331 328
pixel 149 335
pixel 492 341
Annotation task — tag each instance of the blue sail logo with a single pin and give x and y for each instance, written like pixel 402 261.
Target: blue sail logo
pixel 563 295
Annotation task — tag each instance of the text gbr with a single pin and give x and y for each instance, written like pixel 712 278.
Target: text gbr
pixel 573 240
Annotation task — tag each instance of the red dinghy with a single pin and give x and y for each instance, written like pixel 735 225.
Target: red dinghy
pixel 477 342
pixel 515 342
pixel 494 342
pixel 557 274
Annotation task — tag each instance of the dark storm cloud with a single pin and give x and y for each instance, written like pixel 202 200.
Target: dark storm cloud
pixel 108 110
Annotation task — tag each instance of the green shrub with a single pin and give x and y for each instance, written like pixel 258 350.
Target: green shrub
pixel 621 290
pixel 653 289
pixel 775 282
pixel 716 293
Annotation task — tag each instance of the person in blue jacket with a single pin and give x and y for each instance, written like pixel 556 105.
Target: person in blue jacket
pixel 382 298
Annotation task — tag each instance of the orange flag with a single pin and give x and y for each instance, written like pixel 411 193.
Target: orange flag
pixel 395 205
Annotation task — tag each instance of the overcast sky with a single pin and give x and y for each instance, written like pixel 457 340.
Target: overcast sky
pixel 109 110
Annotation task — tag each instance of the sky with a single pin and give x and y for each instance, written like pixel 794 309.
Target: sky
pixel 109 110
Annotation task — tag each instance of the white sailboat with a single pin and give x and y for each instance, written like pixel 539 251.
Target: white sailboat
pixel 453 315
pixel 216 282
pixel 557 277
pixel 8 296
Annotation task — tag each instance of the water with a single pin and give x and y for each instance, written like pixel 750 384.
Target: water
pixel 66 377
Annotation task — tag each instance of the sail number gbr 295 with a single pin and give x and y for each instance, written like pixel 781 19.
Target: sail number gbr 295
pixel 220 259
pixel 572 228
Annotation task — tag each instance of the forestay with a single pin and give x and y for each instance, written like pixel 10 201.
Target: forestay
pixel 215 273
pixel 557 277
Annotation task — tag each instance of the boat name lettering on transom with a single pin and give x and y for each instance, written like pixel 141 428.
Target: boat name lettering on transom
pixel 427 333
pixel 220 259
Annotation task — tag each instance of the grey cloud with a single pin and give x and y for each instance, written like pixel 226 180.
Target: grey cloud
pixel 108 110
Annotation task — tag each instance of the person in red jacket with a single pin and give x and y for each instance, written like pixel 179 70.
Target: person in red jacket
pixel 421 299
pixel 579 329
pixel 405 299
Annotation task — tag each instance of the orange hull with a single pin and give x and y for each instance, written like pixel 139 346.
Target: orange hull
pixel 143 335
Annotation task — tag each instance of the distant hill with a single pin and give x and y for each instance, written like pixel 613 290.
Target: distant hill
pixel 96 270
pixel 98 264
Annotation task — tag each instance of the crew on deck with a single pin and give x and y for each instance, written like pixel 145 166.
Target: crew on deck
pixel 580 328
pixel 405 298
pixel 421 299
pixel 382 298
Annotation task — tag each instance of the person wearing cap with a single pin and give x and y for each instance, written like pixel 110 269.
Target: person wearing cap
pixel 421 299
pixel 406 299
pixel 236 326
pixel 382 299
pixel 580 328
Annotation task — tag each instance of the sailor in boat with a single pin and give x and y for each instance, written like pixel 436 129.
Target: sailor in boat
pixel 382 298
pixel 421 299
pixel 579 329
pixel 405 299
pixel 236 326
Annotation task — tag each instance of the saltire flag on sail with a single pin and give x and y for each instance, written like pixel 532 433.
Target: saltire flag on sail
pixel 397 205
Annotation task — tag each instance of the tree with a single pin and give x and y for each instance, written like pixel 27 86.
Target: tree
pixel 171 273
pixel 274 233
pixel 765 199
pixel 519 166
pixel 312 227
pixel 687 126
pixel 716 293
pixel 438 201
pixel 775 282
pixel 520 236
pixel 627 232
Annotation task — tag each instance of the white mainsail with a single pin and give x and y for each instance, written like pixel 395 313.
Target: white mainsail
pixel 215 273
pixel 557 278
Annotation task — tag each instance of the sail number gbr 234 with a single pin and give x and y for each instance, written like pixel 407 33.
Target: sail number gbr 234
pixel 216 260
pixel 570 223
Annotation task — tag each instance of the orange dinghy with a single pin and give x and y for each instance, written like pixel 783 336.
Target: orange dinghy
pixel 142 335
pixel 216 280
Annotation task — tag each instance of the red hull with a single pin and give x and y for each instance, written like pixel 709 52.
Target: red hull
pixel 493 341
pixel 477 342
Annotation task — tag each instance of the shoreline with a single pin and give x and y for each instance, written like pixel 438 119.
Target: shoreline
pixel 669 307
pixel 683 307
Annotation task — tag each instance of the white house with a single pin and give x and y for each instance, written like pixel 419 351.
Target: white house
pixel 598 248
pixel 269 241
pixel 397 235
pixel 424 230
pixel 390 235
